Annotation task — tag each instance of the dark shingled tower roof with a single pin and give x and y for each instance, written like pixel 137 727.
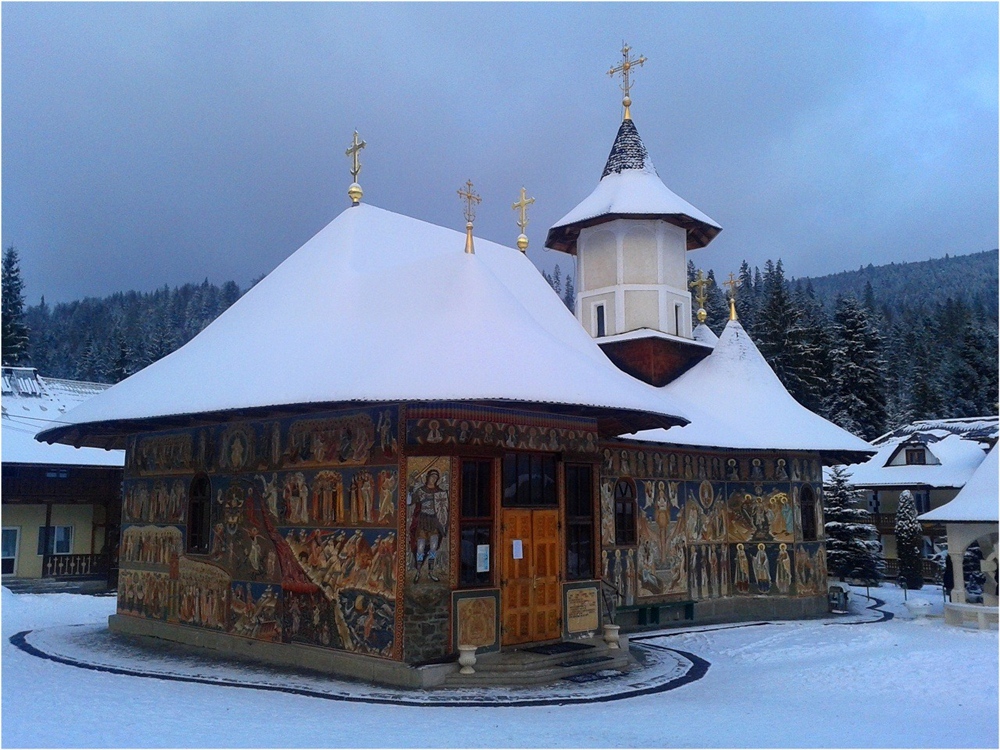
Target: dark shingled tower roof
pixel 628 152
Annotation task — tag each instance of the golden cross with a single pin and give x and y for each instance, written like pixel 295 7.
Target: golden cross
pixel 625 69
pixel 356 146
pixel 700 283
pixel 733 283
pixel 470 197
pixel 522 205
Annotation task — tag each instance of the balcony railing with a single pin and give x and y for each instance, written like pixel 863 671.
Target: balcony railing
pixel 74 566
pixel 930 570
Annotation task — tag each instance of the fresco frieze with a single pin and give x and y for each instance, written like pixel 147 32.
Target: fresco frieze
pixel 164 454
pixel 144 593
pixel 203 595
pixel 151 547
pixel 761 513
pixel 162 501
pixel 336 441
pixel 496 433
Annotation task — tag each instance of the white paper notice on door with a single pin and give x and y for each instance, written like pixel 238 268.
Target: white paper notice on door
pixel 482 558
pixel 518 550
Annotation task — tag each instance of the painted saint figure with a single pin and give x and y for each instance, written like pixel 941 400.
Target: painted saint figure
pixel 762 569
pixel 783 576
pixel 427 528
pixel 742 581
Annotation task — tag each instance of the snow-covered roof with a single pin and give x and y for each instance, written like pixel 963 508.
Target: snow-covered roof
pixel 31 403
pixel 630 187
pixel 735 400
pixel 972 428
pixel 977 501
pixel 704 335
pixel 382 307
pixel 952 460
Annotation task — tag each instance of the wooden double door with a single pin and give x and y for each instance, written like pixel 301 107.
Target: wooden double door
pixel 531 575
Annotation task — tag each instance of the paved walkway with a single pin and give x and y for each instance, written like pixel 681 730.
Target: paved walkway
pixel 661 668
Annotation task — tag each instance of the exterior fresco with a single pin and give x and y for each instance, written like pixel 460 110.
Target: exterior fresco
pixel 428 560
pixel 303 544
pixel 709 526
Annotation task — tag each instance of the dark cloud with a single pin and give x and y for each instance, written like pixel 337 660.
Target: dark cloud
pixel 146 144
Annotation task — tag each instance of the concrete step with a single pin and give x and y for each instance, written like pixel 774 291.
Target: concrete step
pixel 546 669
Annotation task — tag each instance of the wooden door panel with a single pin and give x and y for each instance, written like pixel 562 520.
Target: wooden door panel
pixel 546 546
pixel 516 579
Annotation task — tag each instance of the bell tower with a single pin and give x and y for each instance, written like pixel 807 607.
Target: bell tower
pixel 630 237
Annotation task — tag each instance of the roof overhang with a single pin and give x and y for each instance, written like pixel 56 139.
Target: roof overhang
pixel 699 233
pixel 828 458
pixel 112 434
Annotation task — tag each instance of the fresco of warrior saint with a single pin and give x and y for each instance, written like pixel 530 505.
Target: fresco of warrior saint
pixel 429 522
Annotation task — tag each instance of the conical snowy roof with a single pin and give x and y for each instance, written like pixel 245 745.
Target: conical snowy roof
pixel 630 188
pixel 381 307
pixel 735 400
pixel 977 501
pixel 704 334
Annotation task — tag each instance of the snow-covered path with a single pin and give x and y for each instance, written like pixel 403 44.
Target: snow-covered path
pixel 900 683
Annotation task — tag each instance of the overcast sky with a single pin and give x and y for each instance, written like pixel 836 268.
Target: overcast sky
pixel 164 143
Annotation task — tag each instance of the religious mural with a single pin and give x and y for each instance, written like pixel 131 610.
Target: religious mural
pixel 691 510
pixel 428 560
pixel 303 543
pixel 810 568
pixel 161 501
pixel 499 429
pixel 761 513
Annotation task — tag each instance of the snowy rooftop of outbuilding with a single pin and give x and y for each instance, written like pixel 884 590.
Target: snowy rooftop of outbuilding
pixel 977 501
pixel 382 307
pixel 973 428
pixel 630 187
pixel 951 461
pixel 735 400
pixel 32 403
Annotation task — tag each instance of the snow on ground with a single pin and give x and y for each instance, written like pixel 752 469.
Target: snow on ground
pixel 901 683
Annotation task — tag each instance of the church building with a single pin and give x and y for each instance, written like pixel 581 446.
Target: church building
pixel 401 441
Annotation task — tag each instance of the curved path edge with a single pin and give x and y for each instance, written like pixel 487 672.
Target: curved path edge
pixel 698 668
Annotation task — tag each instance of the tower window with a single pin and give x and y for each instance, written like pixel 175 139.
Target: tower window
pixel 600 324
pixel 677 318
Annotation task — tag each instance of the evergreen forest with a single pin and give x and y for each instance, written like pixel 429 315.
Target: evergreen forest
pixel 870 349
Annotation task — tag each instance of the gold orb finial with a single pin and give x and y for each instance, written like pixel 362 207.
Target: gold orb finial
pixel 522 206
pixel 625 68
pixel 354 151
pixel 702 315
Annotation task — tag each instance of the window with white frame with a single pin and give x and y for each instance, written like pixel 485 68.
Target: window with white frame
pixel 58 541
pixel 11 542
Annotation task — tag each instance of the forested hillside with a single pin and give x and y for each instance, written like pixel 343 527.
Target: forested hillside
pixel 869 349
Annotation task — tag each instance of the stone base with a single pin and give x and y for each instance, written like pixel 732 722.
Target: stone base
pixel 748 608
pixel 330 661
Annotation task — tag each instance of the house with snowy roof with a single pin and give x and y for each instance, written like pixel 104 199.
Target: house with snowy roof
pixel 973 517
pixel 61 504
pixel 933 459
pixel 456 460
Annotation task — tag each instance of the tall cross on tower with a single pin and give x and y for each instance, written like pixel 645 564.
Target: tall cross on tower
pixel 733 283
pixel 354 191
pixel 471 198
pixel 625 69
pixel 699 285
pixel 522 222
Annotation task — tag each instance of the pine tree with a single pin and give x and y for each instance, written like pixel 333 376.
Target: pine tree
pixel 852 546
pixel 857 401
pixel 909 540
pixel 569 296
pixel 15 331
pixel 716 306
